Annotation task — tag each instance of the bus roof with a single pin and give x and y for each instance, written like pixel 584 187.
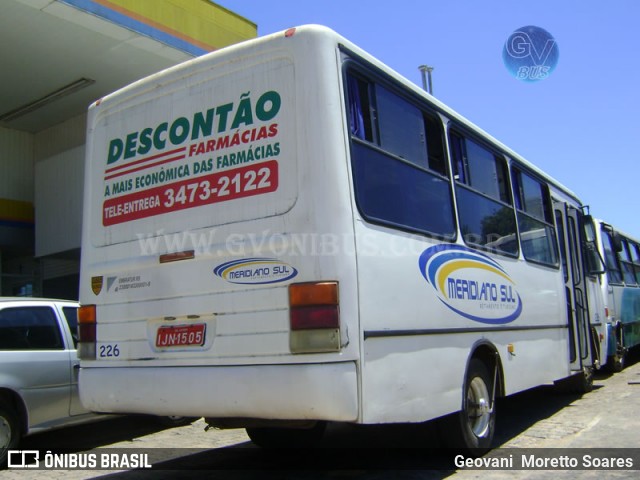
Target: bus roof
pixel 179 70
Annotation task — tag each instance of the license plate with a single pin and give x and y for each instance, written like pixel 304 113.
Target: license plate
pixel 181 335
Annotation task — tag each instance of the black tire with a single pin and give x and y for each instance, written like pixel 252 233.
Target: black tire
pixel 577 383
pixel 618 360
pixel 472 429
pixel 175 421
pixel 584 381
pixel 9 432
pixel 277 437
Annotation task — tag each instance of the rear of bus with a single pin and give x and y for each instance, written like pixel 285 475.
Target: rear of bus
pixel 218 268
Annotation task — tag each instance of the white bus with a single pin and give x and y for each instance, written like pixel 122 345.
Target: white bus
pixel 620 288
pixel 286 233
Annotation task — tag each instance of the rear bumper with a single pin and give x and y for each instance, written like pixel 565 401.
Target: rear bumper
pixel 283 392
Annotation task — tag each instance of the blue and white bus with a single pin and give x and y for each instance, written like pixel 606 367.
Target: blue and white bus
pixel 620 285
pixel 286 232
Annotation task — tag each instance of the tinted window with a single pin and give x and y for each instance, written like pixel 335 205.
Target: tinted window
pixel 611 259
pixel 479 168
pixel 635 256
pixel 399 194
pixel 485 222
pixel 398 161
pixel 29 328
pixel 535 219
pixel 482 192
pixel 627 264
pixel 71 315
pixel 401 128
pixel 486 172
pixel 360 108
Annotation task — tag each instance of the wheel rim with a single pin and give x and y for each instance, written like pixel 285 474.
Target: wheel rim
pixel 5 433
pixel 478 407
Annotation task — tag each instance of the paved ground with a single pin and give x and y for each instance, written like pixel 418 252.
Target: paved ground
pixel 539 419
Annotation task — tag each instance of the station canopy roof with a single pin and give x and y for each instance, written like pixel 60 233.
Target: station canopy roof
pixel 58 56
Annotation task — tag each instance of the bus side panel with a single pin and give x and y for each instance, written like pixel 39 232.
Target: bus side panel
pixel 630 315
pixel 416 347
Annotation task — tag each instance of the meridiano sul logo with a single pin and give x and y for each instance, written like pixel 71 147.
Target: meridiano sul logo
pixel 255 271
pixel 471 284
pixel 530 54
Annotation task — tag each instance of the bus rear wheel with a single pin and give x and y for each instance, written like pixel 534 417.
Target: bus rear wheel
pixel 473 427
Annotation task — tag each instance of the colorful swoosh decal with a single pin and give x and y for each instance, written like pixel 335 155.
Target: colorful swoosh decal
pixel 471 284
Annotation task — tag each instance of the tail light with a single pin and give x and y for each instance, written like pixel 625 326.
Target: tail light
pixel 87 332
pixel 314 314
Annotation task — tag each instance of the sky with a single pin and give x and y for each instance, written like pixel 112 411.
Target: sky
pixel 580 124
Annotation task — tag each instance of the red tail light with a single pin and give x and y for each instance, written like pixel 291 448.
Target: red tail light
pixel 87 332
pixel 314 314
pixel 306 318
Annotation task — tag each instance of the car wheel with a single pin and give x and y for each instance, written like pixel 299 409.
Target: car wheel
pixel 9 432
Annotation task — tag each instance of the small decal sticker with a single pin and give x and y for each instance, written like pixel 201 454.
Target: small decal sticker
pixel 128 282
pixel 255 271
pixel 96 284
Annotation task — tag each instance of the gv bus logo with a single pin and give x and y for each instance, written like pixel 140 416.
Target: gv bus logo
pixel 530 54
pixel 255 271
pixel 471 284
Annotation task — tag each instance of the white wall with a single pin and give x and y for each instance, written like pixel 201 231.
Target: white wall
pixel 59 177
pixel 16 163
pixel 58 200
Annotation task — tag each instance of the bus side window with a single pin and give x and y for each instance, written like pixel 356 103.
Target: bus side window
pixel 486 216
pixel 379 116
pixel 458 159
pixel 398 160
pixel 360 108
pixel 401 127
pixel 635 258
pixel 535 218
pixel 435 145
pixel 611 258
pixel 627 264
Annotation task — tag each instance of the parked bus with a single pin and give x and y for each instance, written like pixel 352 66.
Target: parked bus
pixel 620 287
pixel 286 232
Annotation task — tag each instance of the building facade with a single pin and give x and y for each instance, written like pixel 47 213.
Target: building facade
pixel 58 57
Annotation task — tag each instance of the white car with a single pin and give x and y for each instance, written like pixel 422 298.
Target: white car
pixel 38 369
